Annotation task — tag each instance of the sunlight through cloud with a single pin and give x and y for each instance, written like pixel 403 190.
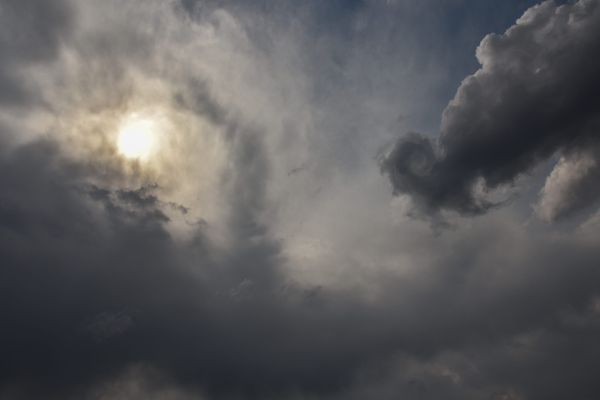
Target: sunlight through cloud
pixel 137 138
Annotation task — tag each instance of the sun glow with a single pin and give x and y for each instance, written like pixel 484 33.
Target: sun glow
pixel 137 138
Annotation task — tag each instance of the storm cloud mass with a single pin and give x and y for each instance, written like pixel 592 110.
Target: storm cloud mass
pixel 534 96
pixel 256 251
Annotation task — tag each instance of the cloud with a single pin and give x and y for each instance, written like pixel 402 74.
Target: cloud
pixel 534 96
pixel 572 185
pixel 109 324
pixel 30 32
pixel 258 257
pixel 96 285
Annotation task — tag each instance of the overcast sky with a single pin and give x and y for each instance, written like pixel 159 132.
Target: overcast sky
pixel 299 200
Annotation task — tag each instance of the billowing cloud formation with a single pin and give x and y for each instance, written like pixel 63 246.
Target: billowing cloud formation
pixel 534 95
pixel 101 302
pixel 256 254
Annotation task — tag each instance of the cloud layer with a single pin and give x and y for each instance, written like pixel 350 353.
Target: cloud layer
pixel 257 255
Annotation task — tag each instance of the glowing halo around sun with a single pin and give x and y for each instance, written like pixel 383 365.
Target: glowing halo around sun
pixel 137 137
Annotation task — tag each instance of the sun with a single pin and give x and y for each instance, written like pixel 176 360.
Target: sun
pixel 137 138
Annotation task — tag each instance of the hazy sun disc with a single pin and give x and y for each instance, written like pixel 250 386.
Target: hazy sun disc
pixel 137 137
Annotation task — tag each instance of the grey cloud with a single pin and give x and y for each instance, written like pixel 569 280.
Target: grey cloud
pixel 573 184
pixel 30 32
pixel 79 264
pixel 413 167
pixel 196 97
pixel 229 325
pixel 100 301
pixel 534 95
pixel 106 325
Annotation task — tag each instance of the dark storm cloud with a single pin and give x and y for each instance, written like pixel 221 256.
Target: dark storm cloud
pixel 87 294
pixel 92 283
pixel 535 95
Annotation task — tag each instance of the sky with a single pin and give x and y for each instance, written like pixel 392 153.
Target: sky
pixel 299 200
